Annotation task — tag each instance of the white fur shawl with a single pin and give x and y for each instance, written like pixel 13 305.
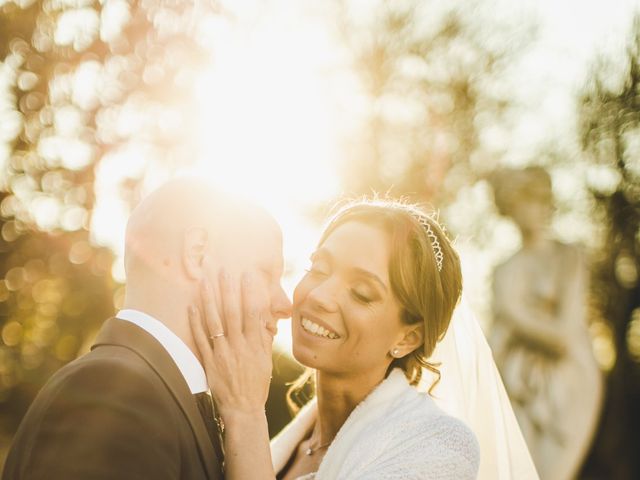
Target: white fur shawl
pixel 395 433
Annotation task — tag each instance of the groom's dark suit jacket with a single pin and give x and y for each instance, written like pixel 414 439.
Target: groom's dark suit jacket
pixel 122 411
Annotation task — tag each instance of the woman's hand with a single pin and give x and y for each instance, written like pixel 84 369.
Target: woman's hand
pixel 234 345
pixel 235 348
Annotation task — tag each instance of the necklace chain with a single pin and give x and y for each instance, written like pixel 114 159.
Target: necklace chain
pixel 311 450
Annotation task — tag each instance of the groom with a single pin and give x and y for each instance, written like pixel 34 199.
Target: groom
pixel 137 406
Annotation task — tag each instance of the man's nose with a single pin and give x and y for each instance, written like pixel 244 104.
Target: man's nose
pixel 281 306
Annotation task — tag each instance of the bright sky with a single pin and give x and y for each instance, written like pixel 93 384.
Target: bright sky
pixel 272 108
pixel 572 34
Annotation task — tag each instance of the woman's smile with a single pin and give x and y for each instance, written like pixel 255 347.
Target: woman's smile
pixel 318 328
pixel 345 317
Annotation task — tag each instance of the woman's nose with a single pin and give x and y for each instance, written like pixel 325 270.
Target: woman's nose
pixel 323 297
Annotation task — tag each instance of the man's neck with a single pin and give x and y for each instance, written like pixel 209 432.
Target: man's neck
pixel 172 314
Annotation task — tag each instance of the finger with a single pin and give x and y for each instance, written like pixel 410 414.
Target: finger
pixel 215 287
pixel 266 342
pixel 201 338
pixel 212 318
pixel 231 305
pixel 266 337
pixel 252 309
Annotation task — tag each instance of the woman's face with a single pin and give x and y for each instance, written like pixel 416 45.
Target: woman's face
pixel 345 317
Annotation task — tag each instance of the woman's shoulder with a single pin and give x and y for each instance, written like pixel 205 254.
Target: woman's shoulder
pixel 454 443
pixel 440 424
pixel 419 435
pixel 417 418
pixel 455 437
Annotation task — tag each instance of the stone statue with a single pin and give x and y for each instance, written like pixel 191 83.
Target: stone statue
pixel 539 336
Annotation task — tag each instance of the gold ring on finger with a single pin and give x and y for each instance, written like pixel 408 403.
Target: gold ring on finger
pixel 217 335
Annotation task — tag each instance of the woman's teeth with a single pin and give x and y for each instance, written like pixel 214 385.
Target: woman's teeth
pixel 317 330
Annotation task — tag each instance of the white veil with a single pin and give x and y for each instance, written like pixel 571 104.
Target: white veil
pixel 471 389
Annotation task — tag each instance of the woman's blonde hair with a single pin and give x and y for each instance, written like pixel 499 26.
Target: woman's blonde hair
pixel 426 293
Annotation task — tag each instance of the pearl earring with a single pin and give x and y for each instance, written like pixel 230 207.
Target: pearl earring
pixel 395 352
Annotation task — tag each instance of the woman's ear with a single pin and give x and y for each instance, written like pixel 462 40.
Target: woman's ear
pixel 193 252
pixel 413 338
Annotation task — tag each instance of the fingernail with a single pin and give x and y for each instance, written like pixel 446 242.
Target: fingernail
pixel 192 311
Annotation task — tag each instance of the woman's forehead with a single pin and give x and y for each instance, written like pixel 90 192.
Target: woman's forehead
pixel 358 245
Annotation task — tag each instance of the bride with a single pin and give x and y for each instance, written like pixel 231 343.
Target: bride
pixel 368 315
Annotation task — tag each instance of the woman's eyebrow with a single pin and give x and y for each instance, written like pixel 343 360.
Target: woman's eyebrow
pixel 323 252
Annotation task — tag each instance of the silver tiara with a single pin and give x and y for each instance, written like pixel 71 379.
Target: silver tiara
pixel 435 244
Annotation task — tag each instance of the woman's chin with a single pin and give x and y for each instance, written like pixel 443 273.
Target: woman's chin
pixel 311 350
pixel 304 355
pixel 301 355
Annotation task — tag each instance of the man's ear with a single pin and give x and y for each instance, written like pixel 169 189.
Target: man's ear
pixel 195 242
pixel 413 338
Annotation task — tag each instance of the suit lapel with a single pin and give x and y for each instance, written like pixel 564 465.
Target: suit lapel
pixel 129 335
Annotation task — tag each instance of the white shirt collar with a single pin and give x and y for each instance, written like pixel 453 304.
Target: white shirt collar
pixel 182 355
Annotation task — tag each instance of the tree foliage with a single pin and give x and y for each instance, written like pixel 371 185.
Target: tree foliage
pixel 432 77
pixel 610 132
pixel 81 84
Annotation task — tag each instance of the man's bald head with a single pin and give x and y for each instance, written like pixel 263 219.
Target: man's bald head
pixel 184 208
pixel 188 231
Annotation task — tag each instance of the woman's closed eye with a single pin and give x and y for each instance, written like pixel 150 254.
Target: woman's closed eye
pixel 363 295
pixel 361 298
